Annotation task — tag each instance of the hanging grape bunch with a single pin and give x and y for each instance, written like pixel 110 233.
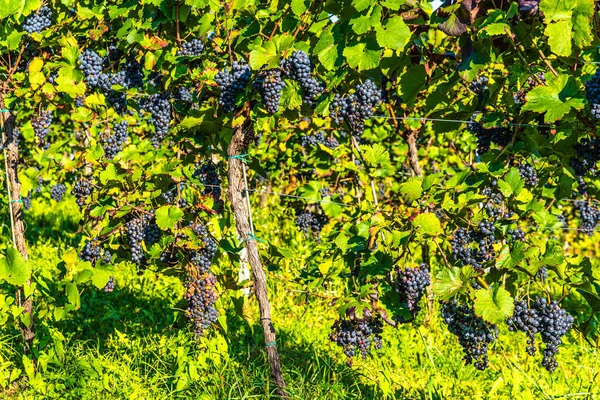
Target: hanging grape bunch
pixel 231 83
pixel 411 284
pixel 38 21
pixel 357 107
pixel 357 334
pixel 592 93
pixel 299 67
pixel 269 85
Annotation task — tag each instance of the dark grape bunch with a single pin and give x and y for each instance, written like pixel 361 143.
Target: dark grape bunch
pixel 232 82
pixel 41 126
pixel 110 285
pixel 357 107
pixel 319 138
pixel 38 21
pixel 91 65
pixel 183 94
pixel 587 155
pixel 486 136
pixel 588 215
pixel 82 190
pixel 209 176
pixel 200 292
pixel 159 108
pixel 411 284
pixel 58 191
pixel 27 202
pixel 202 258
pixel 141 230
pixel 592 93
pixel 474 334
pixel 480 87
pixel 549 320
pixel 201 297
pixel 357 334
pixel 113 142
pixel 528 173
pixel 299 68
pixel 517 234
pixel 269 84
pixel 93 253
pixel 170 195
pixel 193 48
pixel 310 222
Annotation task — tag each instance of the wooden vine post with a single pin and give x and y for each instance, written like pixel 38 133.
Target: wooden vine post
pixel 237 189
pixel 15 205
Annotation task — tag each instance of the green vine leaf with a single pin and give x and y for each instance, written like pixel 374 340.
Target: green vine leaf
pixel 427 224
pixel 361 58
pixel 567 22
pixel 168 216
pixel 13 268
pixel 556 99
pixel 493 305
pixel 394 35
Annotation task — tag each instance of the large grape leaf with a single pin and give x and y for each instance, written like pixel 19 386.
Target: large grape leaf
pixel 556 99
pixel 361 58
pixel 493 305
pixel 394 35
pixel 13 268
pixel 567 22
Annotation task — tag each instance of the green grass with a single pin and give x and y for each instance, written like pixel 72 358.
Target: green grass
pixel 135 344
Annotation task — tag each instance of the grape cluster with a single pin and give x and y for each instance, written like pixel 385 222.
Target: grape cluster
pixel 548 319
pixel 587 154
pixel 183 94
pixel 27 201
pixel 93 253
pixel 357 107
pixel 209 176
pixel 592 93
pixel 485 137
pixel 170 195
pixel 200 292
pixel 517 234
pixel 159 108
pixel 232 82
pixel 38 21
pixel 79 101
pixel 57 191
pixel 528 173
pixel 112 142
pixel 82 190
pixel 134 74
pixel 299 68
pixel 192 48
pixel 357 334
pixel 110 285
pixel 319 138
pixel 474 334
pixel 589 216
pixel 269 84
pixel 309 221
pixel 141 230
pixel 91 65
pixel 201 297
pixel 411 284
pixel 41 126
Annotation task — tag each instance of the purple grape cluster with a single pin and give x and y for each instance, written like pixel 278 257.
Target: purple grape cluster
pixel 38 21
pixel 41 126
pixel 269 85
pixel 141 230
pixel 319 138
pixel 548 319
pixel 589 216
pixel 310 222
pixel 110 285
pixel 58 191
pixel 411 284
pixel 299 68
pixel 592 93
pixel 91 65
pixel 528 173
pixel 474 334
pixel 170 195
pixel 112 142
pixel 520 96
pixel 82 190
pixel 517 234
pixel 193 48
pixel 183 94
pixel 202 259
pixel 209 176
pixel 232 82
pixel 159 108
pixel 485 137
pixel 93 253
pixel 357 334
pixel 357 107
